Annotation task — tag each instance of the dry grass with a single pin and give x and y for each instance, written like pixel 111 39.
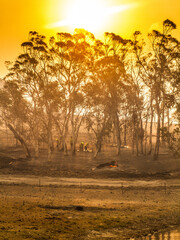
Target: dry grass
pixel 32 212
pixel 37 212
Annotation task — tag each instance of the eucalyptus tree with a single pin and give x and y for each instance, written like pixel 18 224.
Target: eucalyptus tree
pixel 14 110
pixel 156 63
pixel 111 70
pixel 135 94
pixel 98 120
pixel 163 44
pixel 31 71
pixel 144 74
pixel 72 55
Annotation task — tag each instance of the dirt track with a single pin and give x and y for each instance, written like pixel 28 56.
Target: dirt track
pixel 88 182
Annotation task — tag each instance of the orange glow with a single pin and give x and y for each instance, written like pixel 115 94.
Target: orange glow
pixel 123 17
pixel 91 15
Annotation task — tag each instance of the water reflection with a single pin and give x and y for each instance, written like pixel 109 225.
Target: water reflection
pixel 168 235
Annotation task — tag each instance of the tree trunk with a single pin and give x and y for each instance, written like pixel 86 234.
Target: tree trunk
pixel 118 135
pixel 49 135
pixel 98 146
pixel 73 144
pixel 125 132
pixel 145 133
pixel 168 125
pixel 142 137
pixel 150 130
pixel 133 139
pixel 65 146
pixel 36 148
pixel 36 130
pixel 137 142
pixel 75 125
pixel 64 139
pixel 162 120
pixel 156 150
pixel 20 139
pixel 168 118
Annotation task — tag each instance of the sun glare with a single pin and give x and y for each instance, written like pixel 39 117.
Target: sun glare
pixel 91 15
pixel 87 14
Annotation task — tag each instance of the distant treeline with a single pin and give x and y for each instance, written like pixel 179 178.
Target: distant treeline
pixel 115 85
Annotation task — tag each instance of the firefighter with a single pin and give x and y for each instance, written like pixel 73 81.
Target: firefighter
pixel 86 147
pixel 81 147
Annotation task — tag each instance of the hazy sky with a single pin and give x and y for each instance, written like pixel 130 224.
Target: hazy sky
pixel 18 17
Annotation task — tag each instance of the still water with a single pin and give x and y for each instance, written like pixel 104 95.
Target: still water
pixel 168 235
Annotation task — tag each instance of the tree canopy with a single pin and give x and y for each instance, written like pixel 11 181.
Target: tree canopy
pixel 118 86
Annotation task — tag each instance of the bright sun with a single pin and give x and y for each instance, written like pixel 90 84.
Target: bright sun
pixel 92 15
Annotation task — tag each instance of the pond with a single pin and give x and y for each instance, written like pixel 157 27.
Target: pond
pixel 167 235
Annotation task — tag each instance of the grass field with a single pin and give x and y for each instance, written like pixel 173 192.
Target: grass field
pixel 51 212
pixel 43 205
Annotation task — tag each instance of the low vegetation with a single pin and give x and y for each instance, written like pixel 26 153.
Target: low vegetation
pixel 32 212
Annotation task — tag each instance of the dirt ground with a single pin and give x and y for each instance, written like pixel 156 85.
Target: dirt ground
pixel 12 161
pixel 65 199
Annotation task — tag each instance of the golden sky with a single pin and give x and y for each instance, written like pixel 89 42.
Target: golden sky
pixel 123 17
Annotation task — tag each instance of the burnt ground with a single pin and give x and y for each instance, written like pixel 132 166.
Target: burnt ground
pixel 65 199
pixel 12 161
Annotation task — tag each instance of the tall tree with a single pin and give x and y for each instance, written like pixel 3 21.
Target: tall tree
pixel 110 69
pixel 14 113
pixel 72 56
